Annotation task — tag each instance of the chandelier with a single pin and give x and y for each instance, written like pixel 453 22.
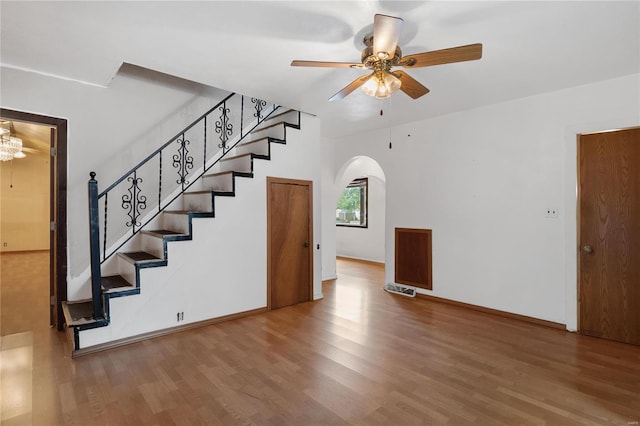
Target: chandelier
pixel 10 146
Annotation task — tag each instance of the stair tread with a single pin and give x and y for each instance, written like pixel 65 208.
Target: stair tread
pixel 184 211
pixel 139 256
pixel 230 172
pixel 162 232
pixel 235 157
pixel 198 192
pixel 114 281
pixel 281 114
pixel 266 138
pixel 218 174
pixel 78 313
pixel 268 127
pixel 256 141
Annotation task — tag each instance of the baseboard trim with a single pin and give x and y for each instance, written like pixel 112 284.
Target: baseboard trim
pixel 356 259
pixel 497 312
pixel 27 251
pixel 164 332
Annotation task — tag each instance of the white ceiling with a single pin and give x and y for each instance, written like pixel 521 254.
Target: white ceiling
pixel 529 48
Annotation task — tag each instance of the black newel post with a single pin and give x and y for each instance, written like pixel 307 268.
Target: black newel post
pixel 94 243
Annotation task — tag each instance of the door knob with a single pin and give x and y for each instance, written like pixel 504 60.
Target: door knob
pixel 587 249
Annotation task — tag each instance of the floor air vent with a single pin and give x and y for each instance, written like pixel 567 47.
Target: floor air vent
pixel 400 289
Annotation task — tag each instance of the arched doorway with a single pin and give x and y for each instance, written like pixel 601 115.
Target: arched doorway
pixel 356 241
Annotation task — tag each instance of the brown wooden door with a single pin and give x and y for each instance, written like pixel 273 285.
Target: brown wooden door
pixel 609 227
pixel 289 241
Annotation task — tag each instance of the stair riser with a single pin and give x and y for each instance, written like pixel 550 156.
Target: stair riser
pixel 154 245
pixel 276 132
pixel 222 183
pixel 127 270
pixel 237 164
pixel 261 148
pixel 198 202
pixel 176 222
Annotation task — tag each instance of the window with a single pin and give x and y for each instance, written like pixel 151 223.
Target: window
pixel 351 209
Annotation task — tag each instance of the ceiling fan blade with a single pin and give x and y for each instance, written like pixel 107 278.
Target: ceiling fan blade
pixel 325 64
pixel 350 87
pixel 410 85
pixel 445 56
pixel 386 32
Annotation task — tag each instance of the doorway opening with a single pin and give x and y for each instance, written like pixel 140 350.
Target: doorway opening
pixel 33 223
pixel 360 227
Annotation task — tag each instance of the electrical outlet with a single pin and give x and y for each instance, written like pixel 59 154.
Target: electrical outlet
pixel 5 244
pixel 180 316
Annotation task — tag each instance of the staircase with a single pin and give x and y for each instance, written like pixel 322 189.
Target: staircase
pixel 116 261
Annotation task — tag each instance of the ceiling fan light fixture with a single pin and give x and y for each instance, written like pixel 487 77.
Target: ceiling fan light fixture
pixel 371 86
pixel 381 84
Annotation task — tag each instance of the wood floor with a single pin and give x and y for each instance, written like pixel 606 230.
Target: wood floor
pixel 24 287
pixel 359 356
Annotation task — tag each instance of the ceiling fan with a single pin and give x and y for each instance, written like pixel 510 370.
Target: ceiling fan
pixel 382 53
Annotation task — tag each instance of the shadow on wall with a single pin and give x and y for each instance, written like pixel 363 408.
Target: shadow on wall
pixel 363 243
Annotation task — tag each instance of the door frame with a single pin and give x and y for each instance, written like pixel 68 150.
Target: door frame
pixel 58 203
pixel 578 240
pixel 309 184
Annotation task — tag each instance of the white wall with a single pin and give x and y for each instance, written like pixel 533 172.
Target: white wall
pixel 366 243
pixel 482 179
pixel 109 130
pixel 223 270
pixel 328 245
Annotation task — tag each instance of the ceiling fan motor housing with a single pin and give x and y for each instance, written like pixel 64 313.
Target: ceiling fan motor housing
pixel 372 60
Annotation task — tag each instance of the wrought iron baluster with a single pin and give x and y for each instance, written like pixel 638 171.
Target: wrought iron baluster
pixel 160 184
pixel 259 106
pixel 223 127
pixel 204 154
pixel 134 202
pixel 182 161
pixel 241 116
